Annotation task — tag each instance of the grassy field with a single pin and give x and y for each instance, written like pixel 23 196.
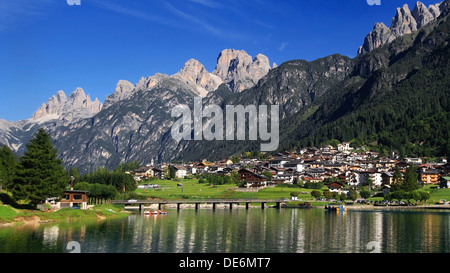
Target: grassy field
pixel 11 215
pixel 193 190
pixel 437 194
pixel 7 213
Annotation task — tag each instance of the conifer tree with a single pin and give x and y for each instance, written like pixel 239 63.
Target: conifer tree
pixel 410 180
pixel 39 173
pixel 7 167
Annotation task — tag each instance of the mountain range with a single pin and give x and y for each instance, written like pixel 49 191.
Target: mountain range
pixel 404 22
pixel 394 94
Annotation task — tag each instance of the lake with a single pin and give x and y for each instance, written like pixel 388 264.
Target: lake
pixel 240 231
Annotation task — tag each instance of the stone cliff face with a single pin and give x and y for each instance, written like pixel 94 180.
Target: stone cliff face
pixel 194 72
pixel 292 85
pixel 53 107
pixel 235 68
pixel 77 106
pixel 124 89
pixel 404 22
pixel 239 70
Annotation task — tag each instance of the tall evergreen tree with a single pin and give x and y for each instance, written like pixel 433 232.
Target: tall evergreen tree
pixel 7 167
pixel 39 173
pixel 410 180
pixel 397 178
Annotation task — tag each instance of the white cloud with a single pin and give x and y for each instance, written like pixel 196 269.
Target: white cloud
pixel 12 12
pixel 127 11
pixel 207 3
pixel 185 16
pixel 283 46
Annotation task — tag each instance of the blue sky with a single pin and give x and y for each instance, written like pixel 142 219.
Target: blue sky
pixel 48 45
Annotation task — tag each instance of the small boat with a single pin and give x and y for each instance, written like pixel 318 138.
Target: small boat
pixel 154 212
pixel 337 208
pixel 305 205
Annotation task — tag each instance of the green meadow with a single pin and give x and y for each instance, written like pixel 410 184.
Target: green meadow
pixel 193 190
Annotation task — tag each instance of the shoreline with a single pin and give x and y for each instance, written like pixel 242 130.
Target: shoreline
pixel 349 207
pixel 421 207
pixel 188 206
pixel 52 217
pixel 99 215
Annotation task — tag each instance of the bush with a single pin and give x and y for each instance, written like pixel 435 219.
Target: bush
pixel 316 194
pixel 364 194
pixel 313 185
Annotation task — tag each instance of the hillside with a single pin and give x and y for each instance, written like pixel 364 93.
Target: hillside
pixel 402 106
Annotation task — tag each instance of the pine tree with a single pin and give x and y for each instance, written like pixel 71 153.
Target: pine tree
pixel 39 173
pixel 397 178
pixel 410 180
pixel 7 167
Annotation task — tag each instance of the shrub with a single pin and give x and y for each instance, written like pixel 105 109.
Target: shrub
pixel 316 194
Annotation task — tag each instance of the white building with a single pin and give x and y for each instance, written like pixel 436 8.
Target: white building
pixel 180 172
pixel 297 166
pixel 360 178
pixel 374 176
pixel 344 146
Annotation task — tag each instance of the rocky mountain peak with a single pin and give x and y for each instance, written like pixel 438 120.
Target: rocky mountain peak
pixel 192 66
pixel 63 108
pixel 227 57
pixel 76 99
pixel 123 90
pixel 239 70
pixel 124 86
pixel 150 82
pixel 422 14
pixel 52 108
pixel 194 72
pixel 404 22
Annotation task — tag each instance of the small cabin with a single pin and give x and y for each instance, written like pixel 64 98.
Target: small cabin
pixel 74 199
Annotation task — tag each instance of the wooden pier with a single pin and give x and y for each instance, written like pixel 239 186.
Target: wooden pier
pixel 197 203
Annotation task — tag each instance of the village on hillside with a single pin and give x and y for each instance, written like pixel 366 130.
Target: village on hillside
pixel 346 167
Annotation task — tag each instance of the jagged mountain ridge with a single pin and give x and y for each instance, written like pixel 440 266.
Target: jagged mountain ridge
pixel 407 91
pixel 404 22
pixel 59 110
pixel 77 106
pixel 235 68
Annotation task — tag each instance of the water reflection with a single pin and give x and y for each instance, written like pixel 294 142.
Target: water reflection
pixel 242 231
pixel 50 236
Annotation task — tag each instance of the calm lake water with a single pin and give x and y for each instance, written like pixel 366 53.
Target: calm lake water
pixel 241 231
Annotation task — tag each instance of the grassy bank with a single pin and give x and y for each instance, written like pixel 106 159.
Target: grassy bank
pixel 191 189
pixel 11 215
